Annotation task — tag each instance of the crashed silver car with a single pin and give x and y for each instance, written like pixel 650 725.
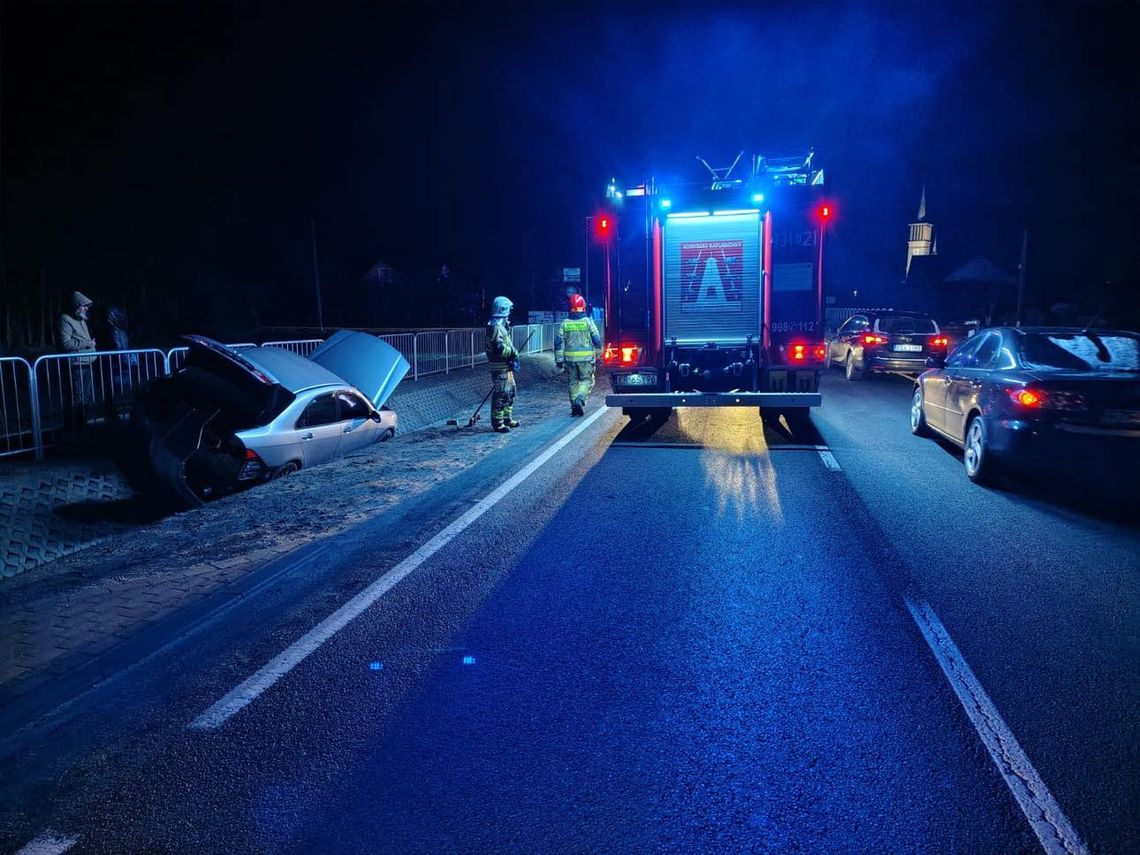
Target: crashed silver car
pixel 233 417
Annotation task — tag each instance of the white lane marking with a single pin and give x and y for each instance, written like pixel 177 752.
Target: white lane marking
pixel 1053 829
pixel 828 458
pixel 48 843
pixel 288 659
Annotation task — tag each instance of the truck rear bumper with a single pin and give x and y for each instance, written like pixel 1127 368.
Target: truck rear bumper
pixel 773 400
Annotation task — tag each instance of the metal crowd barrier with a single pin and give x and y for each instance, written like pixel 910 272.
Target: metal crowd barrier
pixel 17 408
pixel 72 391
pixel 302 347
pixel 63 392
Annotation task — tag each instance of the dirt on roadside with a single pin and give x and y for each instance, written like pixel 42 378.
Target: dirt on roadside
pixel 294 510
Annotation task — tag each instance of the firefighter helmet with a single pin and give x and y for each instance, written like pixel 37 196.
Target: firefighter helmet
pixel 577 303
pixel 501 307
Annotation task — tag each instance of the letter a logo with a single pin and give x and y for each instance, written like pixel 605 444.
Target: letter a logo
pixel 711 294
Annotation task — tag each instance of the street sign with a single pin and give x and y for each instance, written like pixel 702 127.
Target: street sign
pixel 571 274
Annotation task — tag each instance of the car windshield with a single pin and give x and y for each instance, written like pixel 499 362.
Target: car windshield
pixel 906 324
pixel 1081 351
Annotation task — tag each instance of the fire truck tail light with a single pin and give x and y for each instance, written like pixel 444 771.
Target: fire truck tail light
pixel 625 354
pixel 821 352
pixel 799 352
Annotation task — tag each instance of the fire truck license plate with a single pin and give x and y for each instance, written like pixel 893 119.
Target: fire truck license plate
pixel 909 348
pixel 634 379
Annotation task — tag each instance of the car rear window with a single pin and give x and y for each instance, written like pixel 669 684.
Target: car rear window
pixel 1081 351
pixel 906 324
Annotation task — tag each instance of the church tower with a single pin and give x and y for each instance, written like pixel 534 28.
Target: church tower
pixel 922 240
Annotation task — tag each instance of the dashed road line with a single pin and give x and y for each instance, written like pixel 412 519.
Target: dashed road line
pixel 828 458
pixel 251 688
pixel 1053 829
pixel 48 843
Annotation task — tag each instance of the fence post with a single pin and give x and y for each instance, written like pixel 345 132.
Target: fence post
pixel 472 349
pixel 37 419
pixel 415 356
pixel 446 352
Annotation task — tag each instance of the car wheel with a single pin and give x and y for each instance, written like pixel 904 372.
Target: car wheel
pixel 980 465
pixel 918 425
pixel 849 369
pixel 388 434
pixel 285 469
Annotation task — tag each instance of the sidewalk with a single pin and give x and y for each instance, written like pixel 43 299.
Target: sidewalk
pixel 103 591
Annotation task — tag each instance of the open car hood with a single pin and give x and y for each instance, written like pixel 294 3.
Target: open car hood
pixel 370 364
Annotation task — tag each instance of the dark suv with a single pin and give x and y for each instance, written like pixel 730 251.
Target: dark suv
pixel 885 341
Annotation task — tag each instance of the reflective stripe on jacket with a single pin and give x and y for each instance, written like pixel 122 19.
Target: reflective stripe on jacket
pixel 577 340
pixel 499 349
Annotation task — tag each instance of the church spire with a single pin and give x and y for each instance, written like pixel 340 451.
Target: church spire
pixel 922 238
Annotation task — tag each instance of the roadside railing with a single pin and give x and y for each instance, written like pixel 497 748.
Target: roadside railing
pixel 70 392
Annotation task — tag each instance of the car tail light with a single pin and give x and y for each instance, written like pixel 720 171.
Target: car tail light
pixel 1028 398
pixel 871 339
pixel 1033 399
pixel 940 341
pixel 253 467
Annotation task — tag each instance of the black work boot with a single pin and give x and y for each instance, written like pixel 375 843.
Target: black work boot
pixel 576 408
pixel 511 423
pixel 500 427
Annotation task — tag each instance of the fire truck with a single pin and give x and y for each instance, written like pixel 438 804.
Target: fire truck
pixel 713 289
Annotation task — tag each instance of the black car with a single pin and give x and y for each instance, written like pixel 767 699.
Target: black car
pixel 1035 396
pixel 879 341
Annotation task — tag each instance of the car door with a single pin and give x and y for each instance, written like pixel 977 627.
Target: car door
pixel 935 384
pixel 319 430
pixel 836 346
pixel 850 340
pixel 966 382
pixel 356 427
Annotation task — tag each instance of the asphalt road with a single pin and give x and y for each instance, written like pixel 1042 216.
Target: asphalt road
pixel 694 638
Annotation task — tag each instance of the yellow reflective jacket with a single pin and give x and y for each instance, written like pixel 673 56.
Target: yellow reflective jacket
pixel 499 349
pixel 577 340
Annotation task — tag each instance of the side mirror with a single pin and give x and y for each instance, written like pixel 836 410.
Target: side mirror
pixel 375 416
pixel 935 362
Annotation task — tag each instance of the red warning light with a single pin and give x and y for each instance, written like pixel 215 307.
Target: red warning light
pixel 603 226
pixel 825 212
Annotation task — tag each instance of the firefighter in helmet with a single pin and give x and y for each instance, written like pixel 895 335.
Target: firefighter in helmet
pixel 504 361
pixel 577 346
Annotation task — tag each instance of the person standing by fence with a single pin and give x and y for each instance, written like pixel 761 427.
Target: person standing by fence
pixel 502 358
pixel 122 368
pixel 79 387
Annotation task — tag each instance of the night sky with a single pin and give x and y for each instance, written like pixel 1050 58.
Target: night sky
pixel 171 155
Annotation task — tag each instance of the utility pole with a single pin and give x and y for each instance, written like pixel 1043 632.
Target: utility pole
pixel 1021 274
pixel 316 274
pixel 586 265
